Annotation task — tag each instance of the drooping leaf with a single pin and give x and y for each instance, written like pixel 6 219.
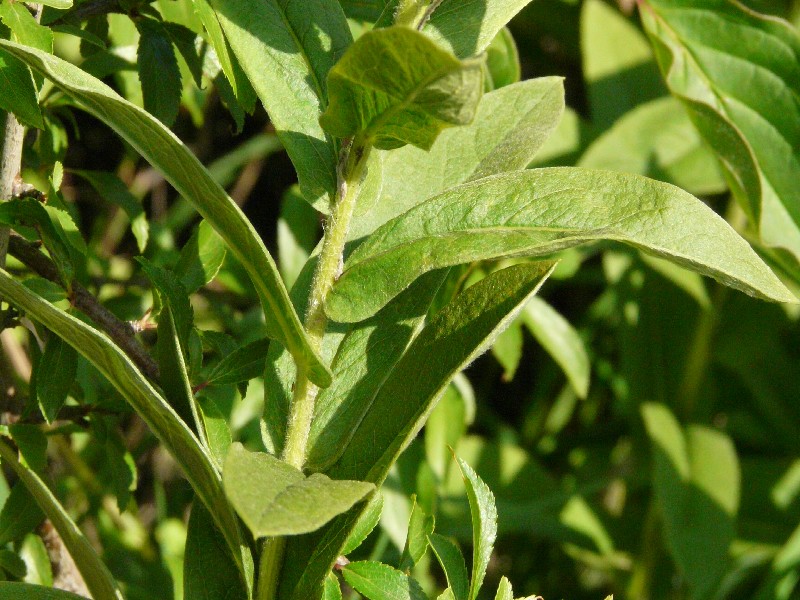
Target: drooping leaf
pixel 561 341
pixel 243 364
pixel 201 258
pixel 368 520
pixel 184 171
pixel 395 87
pixel 112 189
pixel 158 72
pixel 738 75
pixel 287 48
pixel 454 337
pixel 274 499
pixel 541 212
pixel 697 483
pixel 55 376
pixel 377 581
pixel 20 515
pixel 208 572
pixel 484 524
pixel 156 412
pixel 16 591
pixel 420 527
pixel 509 128
pixel 658 140
pixel 452 562
pixel 98 578
pixel 467 28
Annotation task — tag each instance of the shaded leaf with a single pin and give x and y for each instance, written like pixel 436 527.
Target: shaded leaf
pixel 16 591
pixel 201 258
pixel 377 581
pixel 55 376
pixel 502 60
pixel 158 72
pixel 20 515
pixel 274 499
pixel 19 91
pixel 452 561
pixel 507 349
pixel 420 527
pixel 243 364
pixel 540 212
pixel 395 87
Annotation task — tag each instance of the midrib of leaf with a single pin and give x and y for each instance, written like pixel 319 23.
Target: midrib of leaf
pixel 323 98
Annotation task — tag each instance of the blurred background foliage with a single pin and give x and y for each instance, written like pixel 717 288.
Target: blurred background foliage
pixel 639 425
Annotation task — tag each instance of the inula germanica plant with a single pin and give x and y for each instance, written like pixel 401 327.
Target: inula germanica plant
pixel 411 136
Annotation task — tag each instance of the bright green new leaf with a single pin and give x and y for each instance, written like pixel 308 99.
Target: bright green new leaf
pixel 208 572
pixel 112 189
pixel 459 333
pixel 368 520
pixel 484 525
pixel 273 498
pixel 333 590
pixel 17 591
pixel 287 48
pixel 243 364
pixel 201 258
pixel 377 581
pixel 504 591
pixel 156 412
pixel 24 28
pixel 19 91
pixel 452 561
pixel 20 515
pixel 163 149
pixel 158 72
pixel 98 578
pixel 562 342
pixel 467 28
pixel 697 483
pixel 395 87
pixel 540 212
pixel 738 74
pixel 55 376
pixel 657 139
pixel 420 527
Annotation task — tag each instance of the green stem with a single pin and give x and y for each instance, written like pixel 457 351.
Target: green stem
pixel 329 266
pixel 269 567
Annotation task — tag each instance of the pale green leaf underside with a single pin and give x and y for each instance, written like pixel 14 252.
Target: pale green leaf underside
pixel 540 212
pixel 98 578
pixel 395 87
pixel 134 387
pixel 274 499
pixel 377 581
pixel 182 169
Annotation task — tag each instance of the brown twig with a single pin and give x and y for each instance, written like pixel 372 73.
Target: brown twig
pixel 66 575
pixel 122 333
pixel 90 9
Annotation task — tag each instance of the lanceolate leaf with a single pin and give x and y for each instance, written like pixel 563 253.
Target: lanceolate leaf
pixel 540 212
pixel 158 72
pixel 377 581
pixel 738 73
pixel 201 258
pixel 504 591
pixel 96 575
pixel 509 128
pixel 274 498
pixel 19 92
pixel 287 48
pixel 395 87
pixel 15 591
pixel 455 337
pixel 484 525
pixel 134 387
pixel 241 365
pixel 369 519
pixel 163 149
pixel 452 561
pixel 55 376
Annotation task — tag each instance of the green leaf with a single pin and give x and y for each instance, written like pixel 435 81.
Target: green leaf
pixel 20 515
pixel 12 564
pixel 17 591
pixel 113 190
pixel 158 72
pixel 458 334
pixel 287 48
pixel 243 364
pixel 32 444
pixel 738 74
pixel 658 140
pixel 19 91
pixel 377 581
pixel 298 227
pixel 55 376
pixel 509 128
pixel 484 525
pixel 502 60
pixel 367 10
pixel 112 362
pixel 275 499
pixel 449 556
pixel 216 430
pixel 697 484
pixel 24 28
pixel 561 341
pixel 185 41
pixel 98 579
pixel 208 572
pixel 507 349
pixel 173 296
pixel 174 378
pixel 420 527
pixel 201 258
pixel 540 212
pixel 395 87
pixel 618 63
pixel 333 590
pixel 159 146
pixel 58 4
pixel 467 28
pixel 504 591
pixel 368 520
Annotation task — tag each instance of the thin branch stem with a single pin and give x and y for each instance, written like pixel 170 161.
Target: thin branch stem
pixel 10 165
pixel 90 9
